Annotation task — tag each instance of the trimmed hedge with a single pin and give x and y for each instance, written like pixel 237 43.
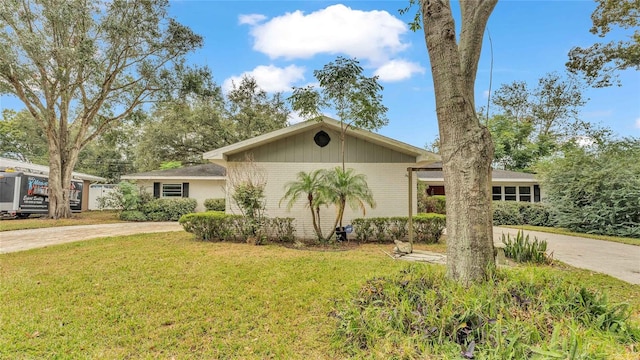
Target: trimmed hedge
pixel 169 209
pixel 427 228
pixel 521 213
pixel 133 215
pixel 218 226
pixel 215 204
pixel 432 204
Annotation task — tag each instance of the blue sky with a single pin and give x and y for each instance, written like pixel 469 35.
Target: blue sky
pixel 280 43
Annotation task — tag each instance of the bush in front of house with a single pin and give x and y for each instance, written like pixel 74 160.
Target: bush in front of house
pixel 218 226
pixel 427 228
pixel 521 213
pixel 432 204
pixel 133 215
pixel 169 209
pixel 215 204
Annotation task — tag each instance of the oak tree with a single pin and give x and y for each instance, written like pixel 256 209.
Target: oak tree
pixel 80 67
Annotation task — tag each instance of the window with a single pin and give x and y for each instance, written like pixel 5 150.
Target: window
pixel 525 193
pixel 171 190
pixel 510 193
pixel 497 192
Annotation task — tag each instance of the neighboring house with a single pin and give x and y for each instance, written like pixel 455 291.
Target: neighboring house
pixel 507 185
pixel 280 155
pixel 34 169
pixel 200 182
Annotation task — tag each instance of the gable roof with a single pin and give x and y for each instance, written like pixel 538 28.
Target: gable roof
pixel 196 172
pixel 15 165
pixel 496 175
pixel 220 155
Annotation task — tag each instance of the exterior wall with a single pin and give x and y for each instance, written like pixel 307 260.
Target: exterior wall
pixel 85 195
pixel 301 148
pixel 198 189
pixel 388 182
pixel 503 184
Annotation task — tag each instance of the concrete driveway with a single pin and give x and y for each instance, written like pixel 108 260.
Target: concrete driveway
pixel 618 260
pixel 19 240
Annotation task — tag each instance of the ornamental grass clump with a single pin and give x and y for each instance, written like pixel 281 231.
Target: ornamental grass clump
pixel 523 313
pixel 521 249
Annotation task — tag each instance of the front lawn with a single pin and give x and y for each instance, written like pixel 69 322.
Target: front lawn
pixel 168 296
pixel 83 218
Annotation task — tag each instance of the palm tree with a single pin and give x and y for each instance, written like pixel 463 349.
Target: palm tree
pixel 342 187
pixel 310 184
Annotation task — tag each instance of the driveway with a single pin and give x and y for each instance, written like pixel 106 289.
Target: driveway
pixel 621 261
pixel 618 260
pixel 19 240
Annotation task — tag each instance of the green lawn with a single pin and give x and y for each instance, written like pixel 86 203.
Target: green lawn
pixel 560 231
pixel 168 296
pixel 84 218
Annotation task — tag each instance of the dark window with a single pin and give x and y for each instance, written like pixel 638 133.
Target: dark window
pixel 497 192
pixel 525 193
pixel 185 190
pixel 435 190
pixel 156 190
pixel 510 193
pixel 536 193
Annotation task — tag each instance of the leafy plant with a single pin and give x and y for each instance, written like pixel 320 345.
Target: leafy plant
pixel 219 226
pixel 132 215
pixel 427 228
pixel 169 209
pixel 521 249
pixel 521 213
pixel 126 197
pixel 215 204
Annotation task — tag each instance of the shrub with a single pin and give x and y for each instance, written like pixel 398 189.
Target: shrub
pixel 126 197
pixel 521 249
pixel 218 226
pixel 432 204
pixel 521 213
pixel 215 204
pixel 169 209
pixel 133 215
pixel 427 228
pixel 596 189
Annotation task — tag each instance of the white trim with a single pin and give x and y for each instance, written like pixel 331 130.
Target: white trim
pixel 35 169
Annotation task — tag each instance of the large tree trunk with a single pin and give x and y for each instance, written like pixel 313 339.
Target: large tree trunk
pixel 466 147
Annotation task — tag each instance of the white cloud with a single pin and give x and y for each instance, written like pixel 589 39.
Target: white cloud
pixel 251 19
pixel 371 35
pixel 396 70
pixel 638 123
pixel 270 78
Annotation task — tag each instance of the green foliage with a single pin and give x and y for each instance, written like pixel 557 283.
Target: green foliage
pixel 431 203
pixel 323 187
pixel 133 215
pixel 521 213
pixel 533 123
pixel 519 313
pixel 218 226
pixel 250 198
pixel 427 228
pixel 169 209
pixel 599 62
pixel 21 137
pixel 215 204
pixel 521 249
pixel 166 165
pixel 97 62
pixel 596 190
pixel 126 197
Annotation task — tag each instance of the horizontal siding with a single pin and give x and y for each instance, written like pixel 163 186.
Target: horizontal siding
pixel 198 189
pixel 388 182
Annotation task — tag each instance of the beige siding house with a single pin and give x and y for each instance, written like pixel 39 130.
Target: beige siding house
pixel 280 155
pixel 199 182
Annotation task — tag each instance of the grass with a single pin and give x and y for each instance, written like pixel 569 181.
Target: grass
pixel 83 218
pixel 560 231
pixel 168 296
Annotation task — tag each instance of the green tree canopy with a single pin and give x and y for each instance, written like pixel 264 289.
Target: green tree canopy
pixel 81 67
pixel 600 61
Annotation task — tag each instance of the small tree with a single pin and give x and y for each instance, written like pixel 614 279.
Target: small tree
pixel 309 184
pixel 344 89
pixel 247 182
